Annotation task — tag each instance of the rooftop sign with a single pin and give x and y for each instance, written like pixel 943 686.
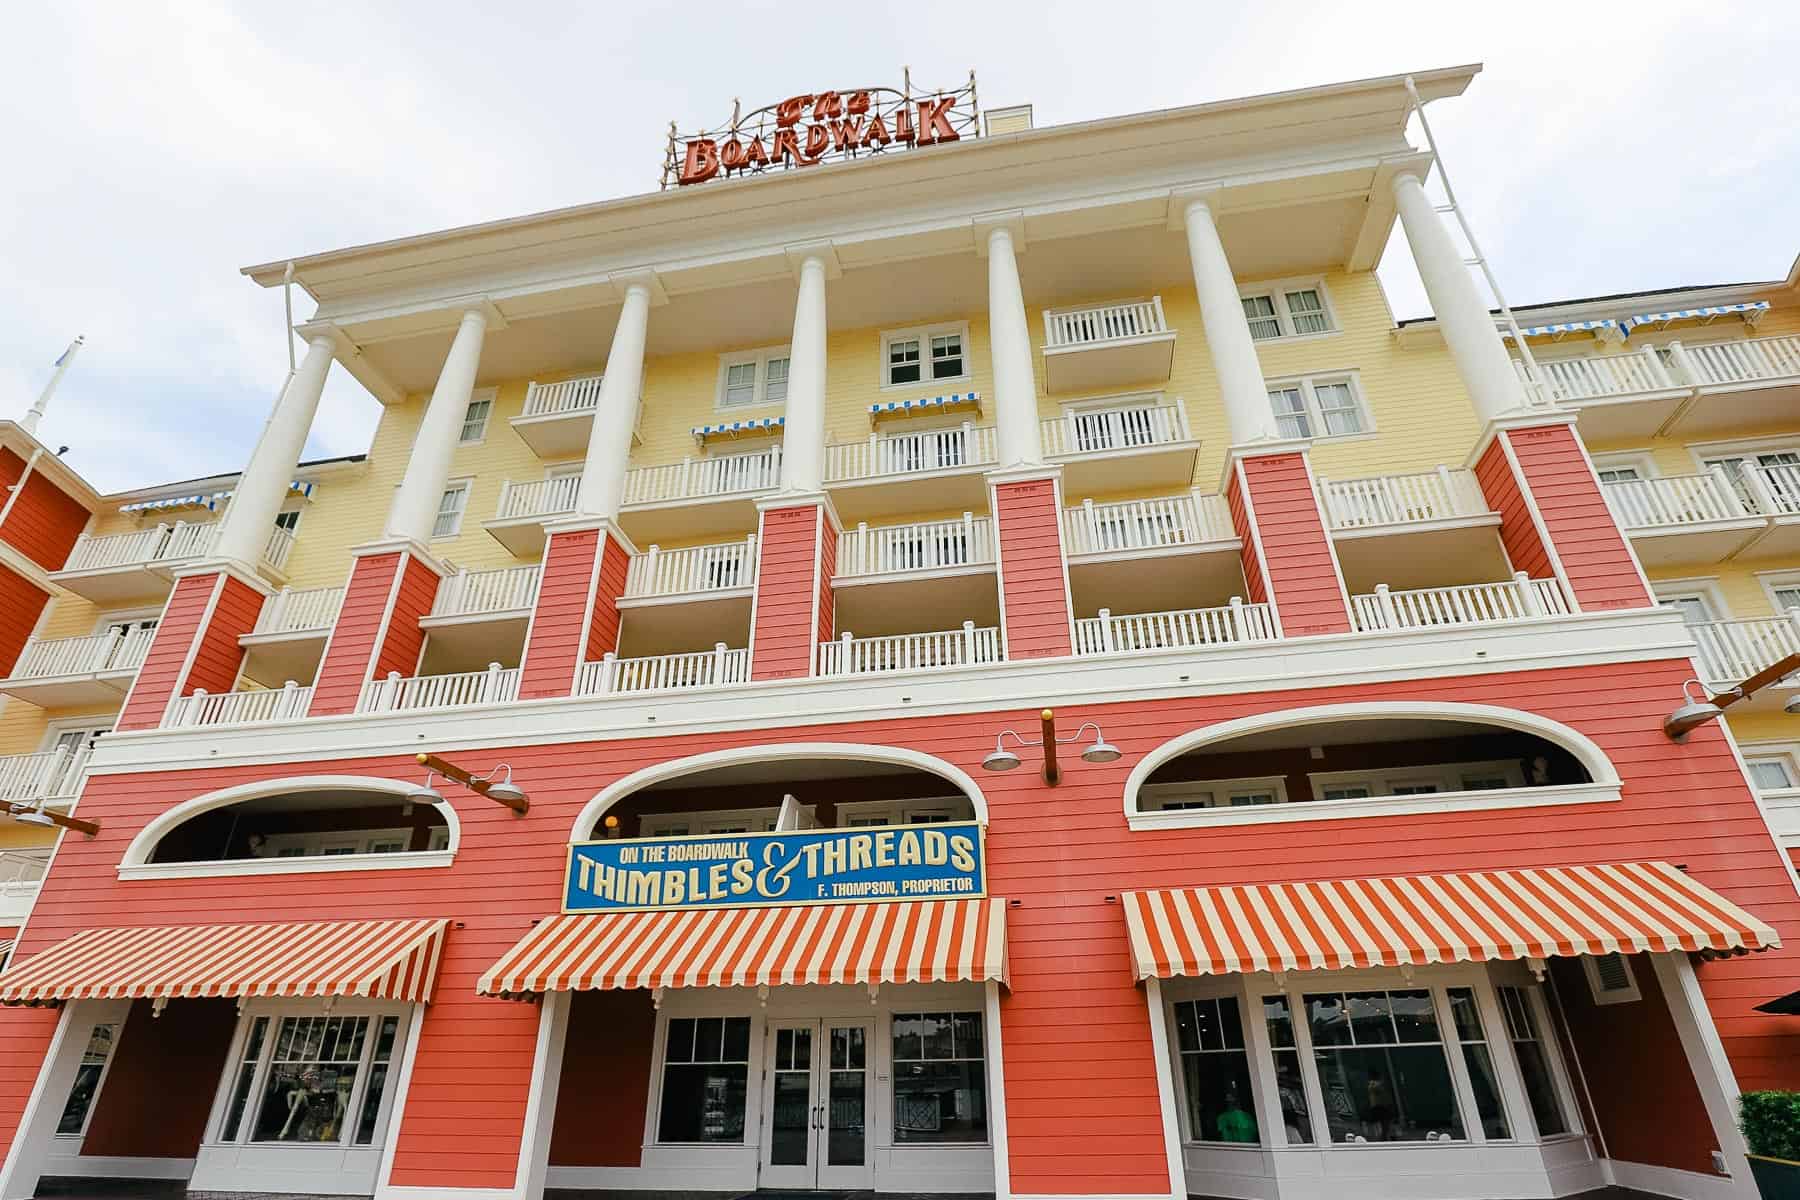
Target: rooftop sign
pixel 816 127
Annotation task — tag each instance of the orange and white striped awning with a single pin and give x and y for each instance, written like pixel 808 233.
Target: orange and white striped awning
pixel 905 941
pixel 1413 920
pixel 384 960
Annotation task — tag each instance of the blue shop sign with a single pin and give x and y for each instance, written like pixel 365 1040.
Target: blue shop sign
pixel 939 861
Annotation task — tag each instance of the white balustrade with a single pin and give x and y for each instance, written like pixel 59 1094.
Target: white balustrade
pixel 697 478
pixel 1103 323
pixel 1117 633
pixel 102 652
pixel 280 545
pixel 718 567
pixel 471 593
pixel 1775 489
pixel 1151 524
pixel 663 672
pixel 1108 430
pixel 308 609
pixel 537 497
pixel 52 775
pixel 20 875
pixel 581 394
pixel 1466 604
pixel 1440 495
pixel 1732 651
pixel 851 655
pixel 1667 501
pixel 1750 360
pixel 163 544
pixel 286 703
pixel 496 685
pixel 919 546
pixel 1591 377
pixel 919 453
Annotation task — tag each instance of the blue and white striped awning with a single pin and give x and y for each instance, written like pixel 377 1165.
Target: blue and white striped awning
pixel 932 404
pixel 207 500
pixel 1749 311
pixel 1566 327
pixel 739 428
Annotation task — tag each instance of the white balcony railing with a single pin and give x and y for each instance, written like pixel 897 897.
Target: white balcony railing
pixel 286 703
pixel 1732 651
pixel 496 685
pixel 718 567
pixel 922 453
pixel 52 775
pixel 537 498
pixel 1774 490
pixel 1439 495
pixel 1102 323
pixel 20 876
pixel 851 655
pixel 472 593
pixel 663 672
pixel 100 653
pixel 278 547
pixel 1670 501
pixel 1109 430
pixel 303 611
pixel 1711 364
pixel 1748 361
pixel 1111 633
pixel 1602 375
pixel 1466 604
pixel 163 544
pixel 561 399
pixel 698 478
pixel 1146 524
pixel 919 546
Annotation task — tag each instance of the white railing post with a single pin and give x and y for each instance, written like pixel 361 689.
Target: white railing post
pixel 1384 604
pixel 1528 597
pixel 968 631
pixel 389 696
pixel 269 620
pixel 1761 495
pixel 609 671
pixel 1687 371
pixel 718 662
pixel 1729 495
pixel 860 551
pixel 846 643
pixel 1106 631
pixel 288 707
pixel 1239 631
pixel 1448 484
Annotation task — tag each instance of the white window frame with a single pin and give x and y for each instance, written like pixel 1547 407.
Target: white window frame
pixel 293 523
pixel 1308 385
pixel 1705 587
pixel 1447 777
pixel 147 617
pixel 467 486
pixel 1276 290
pixel 707 823
pixel 758 358
pixel 488 395
pixel 1629 994
pixel 1640 461
pixel 91 727
pixel 1774 581
pixel 1784 754
pixel 1184 792
pixel 923 334
pixel 1781 443
pixel 112 1056
pixel 315 843
pixel 873 813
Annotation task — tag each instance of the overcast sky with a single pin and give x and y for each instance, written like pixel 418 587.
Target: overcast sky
pixel 153 150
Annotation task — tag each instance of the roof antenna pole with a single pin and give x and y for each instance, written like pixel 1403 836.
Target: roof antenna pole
pixel 1534 388
pixel 29 423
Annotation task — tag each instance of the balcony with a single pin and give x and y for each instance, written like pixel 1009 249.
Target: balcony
pixel 677 599
pixel 894 578
pixel 125 567
pixel 398 693
pixel 1403 529
pixel 52 775
pixel 1176 629
pixel 698 497
pixel 1731 651
pixel 80 670
pixel 1683 518
pixel 286 703
pixel 290 634
pixel 1106 345
pixel 663 672
pixel 1151 554
pixel 1125 446
pixel 558 417
pixel 968 646
pixel 477 613
pixel 519 518
pixel 21 874
pixel 888 474
pixel 1517 599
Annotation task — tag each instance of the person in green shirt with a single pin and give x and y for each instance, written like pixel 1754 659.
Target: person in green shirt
pixel 1234 1124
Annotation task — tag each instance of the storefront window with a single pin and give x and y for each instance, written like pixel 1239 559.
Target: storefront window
pixel 1467 1015
pixel 1534 1063
pixel 311 1076
pixel 1382 1067
pixel 1290 1084
pixel 246 1076
pixel 706 1068
pixel 940 1078
pixel 1215 1071
pixel 87 1082
pixel 379 1063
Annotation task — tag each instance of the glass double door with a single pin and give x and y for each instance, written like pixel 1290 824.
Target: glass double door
pixel 816 1105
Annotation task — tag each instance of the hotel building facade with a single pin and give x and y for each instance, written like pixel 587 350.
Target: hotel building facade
pixel 990 665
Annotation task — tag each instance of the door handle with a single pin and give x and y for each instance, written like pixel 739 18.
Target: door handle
pixel 819 1116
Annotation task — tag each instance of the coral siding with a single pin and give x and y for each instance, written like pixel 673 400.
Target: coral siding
pixel 556 626
pixel 828 548
pixel 605 1089
pixel 173 1060
pixel 399 651
pixel 783 625
pixel 1073 1025
pixel 45 521
pixel 1519 534
pixel 603 626
pixel 1033 576
pixel 21 603
pixel 352 647
pixel 160 675
pixel 1635 1049
pixel 1303 578
pixel 216 663
pixel 1254 583
pixel 1593 552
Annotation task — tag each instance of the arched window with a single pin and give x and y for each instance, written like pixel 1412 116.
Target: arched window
pixel 1365 760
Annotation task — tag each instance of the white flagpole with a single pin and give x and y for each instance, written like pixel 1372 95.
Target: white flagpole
pixel 30 422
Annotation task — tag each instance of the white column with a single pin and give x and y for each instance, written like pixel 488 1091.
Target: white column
pixel 1228 340
pixel 244 529
pixel 616 413
pixel 803 434
pixel 1463 316
pixel 1015 385
pixel 428 468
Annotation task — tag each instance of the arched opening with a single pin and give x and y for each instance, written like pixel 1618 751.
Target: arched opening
pixel 295 821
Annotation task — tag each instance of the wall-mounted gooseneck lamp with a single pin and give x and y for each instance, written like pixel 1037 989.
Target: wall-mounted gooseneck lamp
pixel 1695 713
pixel 27 814
pixel 496 785
pixel 1098 751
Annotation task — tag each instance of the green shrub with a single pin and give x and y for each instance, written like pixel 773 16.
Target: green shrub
pixel 1771 1123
